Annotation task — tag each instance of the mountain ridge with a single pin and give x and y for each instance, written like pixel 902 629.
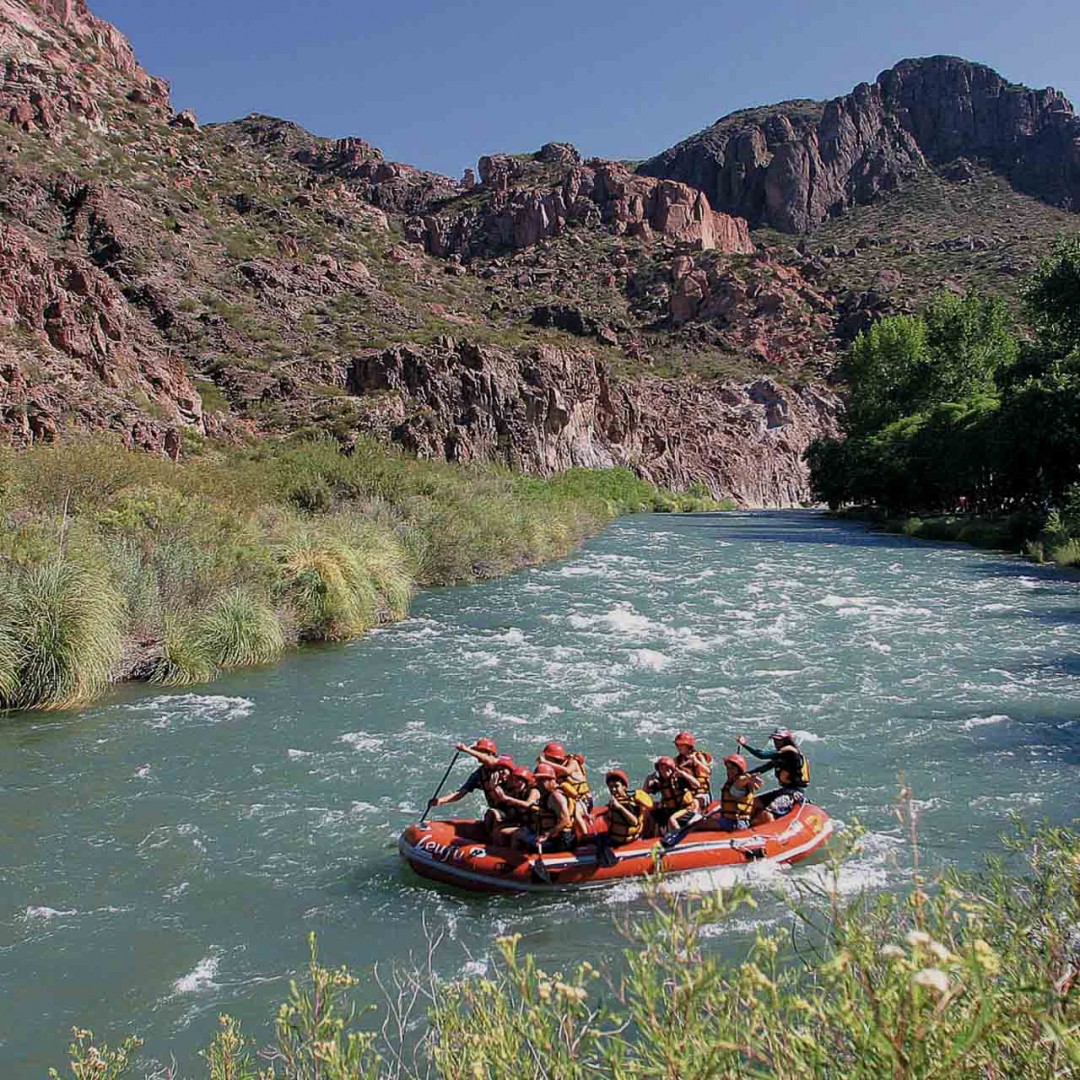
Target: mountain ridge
pixel 793 169
pixel 171 282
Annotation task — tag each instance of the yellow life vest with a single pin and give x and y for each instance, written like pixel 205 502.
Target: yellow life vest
pixel 800 777
pixel 619 829
pixel 576 789
pixel 734 806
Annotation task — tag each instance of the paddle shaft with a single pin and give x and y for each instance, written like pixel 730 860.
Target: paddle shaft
pixel 438 790
pixel 538 867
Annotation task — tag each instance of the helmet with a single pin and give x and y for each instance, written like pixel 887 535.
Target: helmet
pixel 555 750
pixel 736 759
pixel 545 772
pixel 486 745
pixel 519 772
pixel 684 737
pixel 782 734
pixel 617 774
pixel 504 761
pixel 665 763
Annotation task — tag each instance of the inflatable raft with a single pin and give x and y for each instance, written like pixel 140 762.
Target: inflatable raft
pixel 454 852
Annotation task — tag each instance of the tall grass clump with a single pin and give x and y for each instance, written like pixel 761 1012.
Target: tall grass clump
pixel 239 630
pixel 67 622
pixel 184 658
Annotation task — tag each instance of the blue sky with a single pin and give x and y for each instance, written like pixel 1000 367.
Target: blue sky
pixel 438 84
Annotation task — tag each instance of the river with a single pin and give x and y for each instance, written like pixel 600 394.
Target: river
pixel 164 855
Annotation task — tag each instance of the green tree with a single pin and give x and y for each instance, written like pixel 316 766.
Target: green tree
pixel 970 342
pixel 882 369
pixel 1052 297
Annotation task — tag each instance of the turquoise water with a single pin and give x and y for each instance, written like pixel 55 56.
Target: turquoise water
pixel 163 855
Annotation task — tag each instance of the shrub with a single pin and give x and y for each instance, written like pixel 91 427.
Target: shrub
pixel 238 631
pixel 69 619
pixel 184 657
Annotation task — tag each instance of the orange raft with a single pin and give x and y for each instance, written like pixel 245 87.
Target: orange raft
pixel 449 851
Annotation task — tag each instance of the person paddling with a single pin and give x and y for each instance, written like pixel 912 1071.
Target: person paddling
pixel 792 771
pixel 696 764
pixel 519 795
pixel 488 776
pixel 736 797
pixel 551 817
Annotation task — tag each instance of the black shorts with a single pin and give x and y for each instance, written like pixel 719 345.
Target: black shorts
pixel 563 841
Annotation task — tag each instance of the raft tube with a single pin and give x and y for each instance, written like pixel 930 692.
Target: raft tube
pixel 453 852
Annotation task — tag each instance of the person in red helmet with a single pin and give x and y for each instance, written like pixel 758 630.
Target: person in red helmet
pixel 696 767
pixel 675 795
pixel 628 811
pixel 573 781
pixel 736 797
pixel 519 795
pixel 488 777
pixel 550 824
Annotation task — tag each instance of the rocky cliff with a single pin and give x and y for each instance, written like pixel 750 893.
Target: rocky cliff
pixel 547 409
pixel 794 165
pixel 168 282
pixel 60 63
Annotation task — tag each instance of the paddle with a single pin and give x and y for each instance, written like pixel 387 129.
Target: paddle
pixel 605 852
pixel 438 790
pixel 538 868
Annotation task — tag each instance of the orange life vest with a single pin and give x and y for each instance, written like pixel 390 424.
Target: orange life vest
pixel 698 762
pixel 543 816
pixel 674 792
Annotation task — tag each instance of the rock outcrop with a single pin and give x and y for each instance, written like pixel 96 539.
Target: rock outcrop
pixel 794 165
pixel 72 348
pixel 61 63
pixel 547 409
pixel 522 209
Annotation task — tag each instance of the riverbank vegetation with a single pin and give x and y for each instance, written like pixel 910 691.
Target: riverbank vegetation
pixel 115 563
pixel 957 414
pixel 963 976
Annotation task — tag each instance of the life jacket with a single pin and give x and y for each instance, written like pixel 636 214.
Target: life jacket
pixel 698 762
pixel 799 773
pixel 619 830
pixel 576 789
pixel 543 816
pixel 674 792
pixel 734 806
pixel 516 815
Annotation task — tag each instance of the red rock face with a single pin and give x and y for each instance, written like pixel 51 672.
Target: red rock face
pixel 550 409
pixel 597 193
pixel 61 63
pixel 78 350
pixel 793 165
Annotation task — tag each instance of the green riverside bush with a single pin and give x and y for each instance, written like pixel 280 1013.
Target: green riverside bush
pixel 116 564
